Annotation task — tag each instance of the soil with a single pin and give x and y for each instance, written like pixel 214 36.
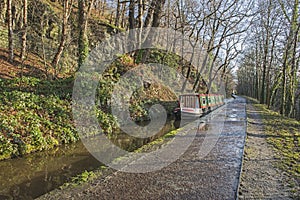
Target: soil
pixel 31 67
pixel 260 178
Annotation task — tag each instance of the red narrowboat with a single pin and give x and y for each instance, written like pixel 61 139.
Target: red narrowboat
pixel 195 105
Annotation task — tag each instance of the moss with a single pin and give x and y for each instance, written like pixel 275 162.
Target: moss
pixel 158 142
pixel 82 178
pixel 171 134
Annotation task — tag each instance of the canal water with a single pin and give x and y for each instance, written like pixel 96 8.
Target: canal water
pixel 36 174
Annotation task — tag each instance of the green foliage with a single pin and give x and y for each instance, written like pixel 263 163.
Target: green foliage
pixel 170 59
pixel 33 121
pixel 6 148
pixel 61 88
pixel 36 114
pixel 80 179
pixel 107 122
pixel 3 36
pixel 138 111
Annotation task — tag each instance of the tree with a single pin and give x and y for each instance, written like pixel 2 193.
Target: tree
pixel 275 35
pixel 152 19
pixel 289 60
pixel 118 14
pixel 67 4
pixel 24 31
pixel 84 9
pixel 266 38
pixel 131 15
pixel 10 30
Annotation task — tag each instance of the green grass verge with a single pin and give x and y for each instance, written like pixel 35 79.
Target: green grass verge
pixel 284 135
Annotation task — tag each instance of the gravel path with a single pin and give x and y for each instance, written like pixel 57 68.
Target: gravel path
pixel 260 179
pixel 216 176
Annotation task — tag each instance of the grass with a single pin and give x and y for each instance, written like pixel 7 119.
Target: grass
pixel 283 134
pixel 82 178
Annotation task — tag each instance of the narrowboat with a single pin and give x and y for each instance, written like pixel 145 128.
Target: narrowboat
pixel 195 105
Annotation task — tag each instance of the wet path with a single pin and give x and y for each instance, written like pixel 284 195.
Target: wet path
pixel 215 176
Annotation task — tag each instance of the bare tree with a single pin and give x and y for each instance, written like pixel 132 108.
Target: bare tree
pixel 289 60
pixel 275 33
pixel 24 31
pixel 84 9
pixel 118 14
pixel 67 4
pixel 10 30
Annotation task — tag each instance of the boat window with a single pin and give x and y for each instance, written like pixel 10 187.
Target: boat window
pixel 196 102
pixel 182 100
pixel 189 101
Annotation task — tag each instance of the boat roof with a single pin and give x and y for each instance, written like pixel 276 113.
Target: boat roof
pixel 199 94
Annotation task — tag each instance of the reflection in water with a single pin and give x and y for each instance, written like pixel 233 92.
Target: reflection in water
pixel 34 175
pixel 39 173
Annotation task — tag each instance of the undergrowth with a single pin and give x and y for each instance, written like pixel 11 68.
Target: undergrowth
pixel 36 115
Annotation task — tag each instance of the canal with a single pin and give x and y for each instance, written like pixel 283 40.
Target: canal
pixel 33 175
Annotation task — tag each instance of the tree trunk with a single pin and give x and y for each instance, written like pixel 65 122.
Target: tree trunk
pixel 268 95
pixel 150 12
pixel 293 85
pixel 288 55
pixel 10 30
pixel 154 14
pixel 266 52
pixel 118 13
pixel 103 7
pixel 83 42
pixel 24 34
pixel 131 21
pixel 141 14
pixel 123 23
pixel 131 18
pixel 158 13
pixel 140 23
pixel 66 14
